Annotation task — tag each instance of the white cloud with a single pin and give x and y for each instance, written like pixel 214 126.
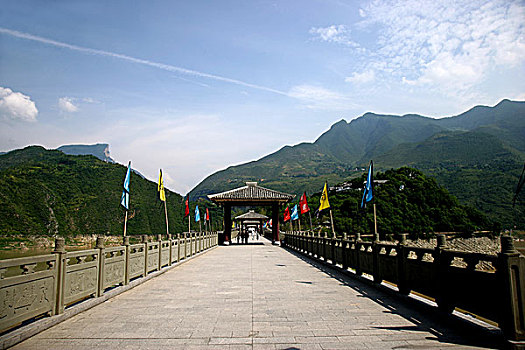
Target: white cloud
pixel 339 34
pixel 333 33
pixel 447 45
pixel 361 78
pixel 65 104
pixel 316 97
pixel 16 106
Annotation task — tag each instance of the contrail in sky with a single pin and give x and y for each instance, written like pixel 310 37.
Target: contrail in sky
pixel 166 67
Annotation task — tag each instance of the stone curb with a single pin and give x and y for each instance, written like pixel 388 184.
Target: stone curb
pixel 18 335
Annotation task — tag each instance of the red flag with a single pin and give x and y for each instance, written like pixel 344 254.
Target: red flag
pixel 270 222
pixel 207 215
pixel 187 210
pixel 286 214
pixel 304 204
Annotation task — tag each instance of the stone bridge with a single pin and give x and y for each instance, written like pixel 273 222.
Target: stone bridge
pixel 254 296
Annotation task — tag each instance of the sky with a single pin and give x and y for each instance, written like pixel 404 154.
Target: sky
pixel 193 87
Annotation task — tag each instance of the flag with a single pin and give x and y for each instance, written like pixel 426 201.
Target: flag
pixel 265 224
pixel 304 204
pixel 187 210
pixel 324 199
pixel 207 215
pixel 270 223
pixel 197 214
pixel 124 199
pixel 295 214
pixel 286 214
pixel 160 188
pixel 368 192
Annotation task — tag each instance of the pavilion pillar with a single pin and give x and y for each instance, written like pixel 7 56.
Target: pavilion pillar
pixel 275 222
pixel 227 222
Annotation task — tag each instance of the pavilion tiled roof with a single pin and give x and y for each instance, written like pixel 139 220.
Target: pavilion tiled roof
pixel 251 192
pixel 251 215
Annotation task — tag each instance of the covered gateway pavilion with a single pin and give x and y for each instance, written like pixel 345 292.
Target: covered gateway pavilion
pixel 251 219
pixel 250 195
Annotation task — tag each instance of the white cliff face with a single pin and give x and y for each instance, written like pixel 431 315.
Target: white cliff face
pixel 99 150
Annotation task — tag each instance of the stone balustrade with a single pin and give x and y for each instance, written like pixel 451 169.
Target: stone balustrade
pixel 42 285
pixel 454 279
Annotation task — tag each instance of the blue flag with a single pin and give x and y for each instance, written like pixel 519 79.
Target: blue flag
pixel 197 214
pixel 295 214
pixel 368 193
pixel 124 199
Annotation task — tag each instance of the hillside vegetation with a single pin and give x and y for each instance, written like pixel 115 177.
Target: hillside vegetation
pixel 49 192
pixel 409 202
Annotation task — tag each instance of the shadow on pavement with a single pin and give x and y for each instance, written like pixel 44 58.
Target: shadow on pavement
pixel 447 329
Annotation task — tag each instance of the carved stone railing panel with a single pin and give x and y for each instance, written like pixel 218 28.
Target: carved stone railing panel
pixel 81 275
pixel 153 256
pixel 114 266
pixel 165 253
pixel 136 260
pixel 29 291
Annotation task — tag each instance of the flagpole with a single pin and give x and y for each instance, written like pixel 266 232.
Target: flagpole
pixel 299 221
pixel 166 212
pixel 125 222
pixel 189 223
pixel 310 216
pixel 332 221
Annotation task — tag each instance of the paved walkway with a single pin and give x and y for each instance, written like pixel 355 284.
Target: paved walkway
pixel 255 297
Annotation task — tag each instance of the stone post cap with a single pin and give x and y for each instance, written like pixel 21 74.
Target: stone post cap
pixel 507 245
pixel 159 237
pixel 144 238
pixel 100 242
pixel 60 245
pixel 441 240
pixel 125 241
pixel 403 238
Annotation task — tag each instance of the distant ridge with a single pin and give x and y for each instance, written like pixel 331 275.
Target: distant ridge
pixel 466 153
pixel 99 150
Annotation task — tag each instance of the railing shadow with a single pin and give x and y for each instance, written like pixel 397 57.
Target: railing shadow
pixel 425 317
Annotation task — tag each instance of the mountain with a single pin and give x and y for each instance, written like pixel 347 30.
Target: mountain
pixel 469 154
pixel 49 192
pixel 99 150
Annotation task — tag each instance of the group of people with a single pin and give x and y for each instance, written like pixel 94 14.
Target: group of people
pixel 243 235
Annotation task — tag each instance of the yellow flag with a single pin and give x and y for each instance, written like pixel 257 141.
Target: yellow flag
pixel 160 188
pixel 324 199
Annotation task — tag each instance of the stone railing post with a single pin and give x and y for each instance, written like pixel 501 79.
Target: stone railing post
pixel 178 246
pixel 170 242
pixel 358 241
pixel 102 257
pixel 126 259
pixel 344 251
pixel 375 256
pixel 333 243
pixel 159 239
pixel 511 272
pixel 60 253
pixel 145 242
pixel 442 263
pixel 324 239
pixel 402 285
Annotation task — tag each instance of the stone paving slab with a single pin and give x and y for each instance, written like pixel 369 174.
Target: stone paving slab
pixel 257 296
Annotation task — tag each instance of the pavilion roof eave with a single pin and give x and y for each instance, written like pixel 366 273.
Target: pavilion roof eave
pixel 251 193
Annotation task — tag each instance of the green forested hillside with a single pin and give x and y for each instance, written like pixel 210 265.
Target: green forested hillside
pixel 49 192
pixel 409 202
